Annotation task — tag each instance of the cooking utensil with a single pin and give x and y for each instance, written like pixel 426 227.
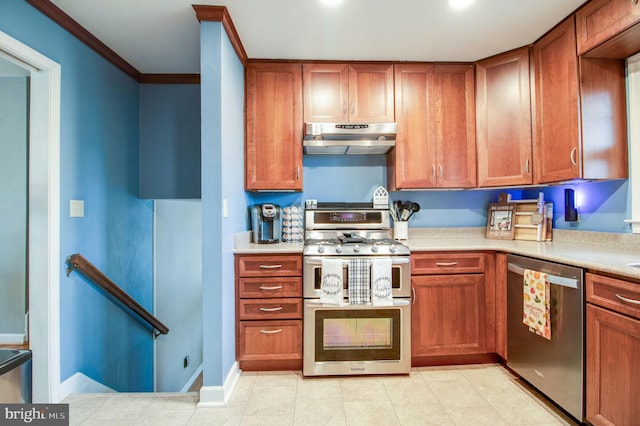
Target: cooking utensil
pixel 405 211
pixel 415 207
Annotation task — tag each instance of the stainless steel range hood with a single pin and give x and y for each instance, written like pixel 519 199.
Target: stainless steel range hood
pixel 335 138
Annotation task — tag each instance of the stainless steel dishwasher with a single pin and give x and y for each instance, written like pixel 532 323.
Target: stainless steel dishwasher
pixel 555 366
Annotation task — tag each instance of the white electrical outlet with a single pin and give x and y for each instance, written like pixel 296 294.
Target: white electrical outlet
pixel 76 208
pixel 225 208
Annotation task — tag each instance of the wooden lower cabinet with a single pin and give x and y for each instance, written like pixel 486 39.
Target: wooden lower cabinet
pixel 613 368
pixel 453 312
pixel 613 351
pixel 269 345
pixel 269 312
pixel 448 317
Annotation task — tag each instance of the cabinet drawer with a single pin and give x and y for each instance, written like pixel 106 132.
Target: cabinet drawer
pixel 262 288
pixel 447 263
pixel 257 309
pixel 265 340
pixel 618 295
pixel 269 265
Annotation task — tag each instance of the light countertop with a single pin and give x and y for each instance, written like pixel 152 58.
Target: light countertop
pixel 601 251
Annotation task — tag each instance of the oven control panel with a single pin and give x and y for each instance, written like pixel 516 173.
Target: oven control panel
pixel 347 219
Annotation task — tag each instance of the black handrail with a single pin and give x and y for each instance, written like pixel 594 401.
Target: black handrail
pixel 78 262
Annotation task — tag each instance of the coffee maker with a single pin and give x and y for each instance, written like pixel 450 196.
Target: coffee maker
pixel 266 223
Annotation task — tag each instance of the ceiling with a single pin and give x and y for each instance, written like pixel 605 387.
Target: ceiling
pixel 162 36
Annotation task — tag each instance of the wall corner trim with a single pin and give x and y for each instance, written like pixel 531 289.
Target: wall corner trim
pixel 219 396
pixel 221 14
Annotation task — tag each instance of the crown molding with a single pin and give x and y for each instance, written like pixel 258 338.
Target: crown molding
pixel 58 16
pixel 221 14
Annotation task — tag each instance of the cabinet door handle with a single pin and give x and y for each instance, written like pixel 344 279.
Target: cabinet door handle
pixel 279 308
pixel 275 287
pixel 526 166
pixel 433 170
pixel 271 331
pixel 446 263
pixel 413 292
pixel 298 172
pixel 573 156
pixel 270 266
pixel 440 167
pixel 631 301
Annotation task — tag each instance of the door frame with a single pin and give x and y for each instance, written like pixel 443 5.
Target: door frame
pixel 44 215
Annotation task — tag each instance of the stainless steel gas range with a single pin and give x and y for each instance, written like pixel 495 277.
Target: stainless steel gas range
pixel 347 338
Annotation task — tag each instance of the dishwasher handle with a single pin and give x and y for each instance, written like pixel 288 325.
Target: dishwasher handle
pixel 552 279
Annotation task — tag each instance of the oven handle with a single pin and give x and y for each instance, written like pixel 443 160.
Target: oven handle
pixel 396 302
pixel 394 261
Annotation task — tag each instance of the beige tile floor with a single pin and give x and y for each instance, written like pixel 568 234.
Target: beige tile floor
pixel 461 395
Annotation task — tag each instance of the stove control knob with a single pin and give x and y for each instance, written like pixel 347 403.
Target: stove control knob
pixel 392 248
pixel 356 248
pixel 374 248
pixel 320 249
pixel 338 249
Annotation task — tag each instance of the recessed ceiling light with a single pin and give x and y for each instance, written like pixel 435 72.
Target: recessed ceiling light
pixel 460 4
pixel 331 3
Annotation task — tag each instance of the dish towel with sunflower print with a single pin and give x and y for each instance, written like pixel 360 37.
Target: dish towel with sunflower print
pixel 536 312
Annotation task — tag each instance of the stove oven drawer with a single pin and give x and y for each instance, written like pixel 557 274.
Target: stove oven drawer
pixel 270 340
pixel 260 288
pixel 447 263
pixel 258 309
pixel 269 265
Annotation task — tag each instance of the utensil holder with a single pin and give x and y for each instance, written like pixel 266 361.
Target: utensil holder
pixel 400 230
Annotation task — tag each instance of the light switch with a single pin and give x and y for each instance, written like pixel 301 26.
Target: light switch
pixel 225 207
pixel 76 208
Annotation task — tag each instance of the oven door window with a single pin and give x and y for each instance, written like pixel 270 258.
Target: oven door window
pixel 357 335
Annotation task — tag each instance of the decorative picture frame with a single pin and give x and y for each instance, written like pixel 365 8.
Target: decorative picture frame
pixel 501 221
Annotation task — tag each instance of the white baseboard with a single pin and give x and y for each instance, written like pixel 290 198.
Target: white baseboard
pixel 192 379
pixel 219 396
pixel 79 383
pixel 11 339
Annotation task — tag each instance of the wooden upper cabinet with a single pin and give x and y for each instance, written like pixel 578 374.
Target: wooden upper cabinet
pixel 557 140
pixel 273 146
pixel 601 21
pixel 435 112
pixel 455 117
pixel 503 120
pixel 326 93
pixel 410 163
pixel 580 113
pixel 348 93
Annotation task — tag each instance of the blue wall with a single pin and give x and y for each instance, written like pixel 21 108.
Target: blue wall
pixel 355 177
pixel 603 205
pixel 13 208
pixel 169 141
pixel 222 85
pixel 99 133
